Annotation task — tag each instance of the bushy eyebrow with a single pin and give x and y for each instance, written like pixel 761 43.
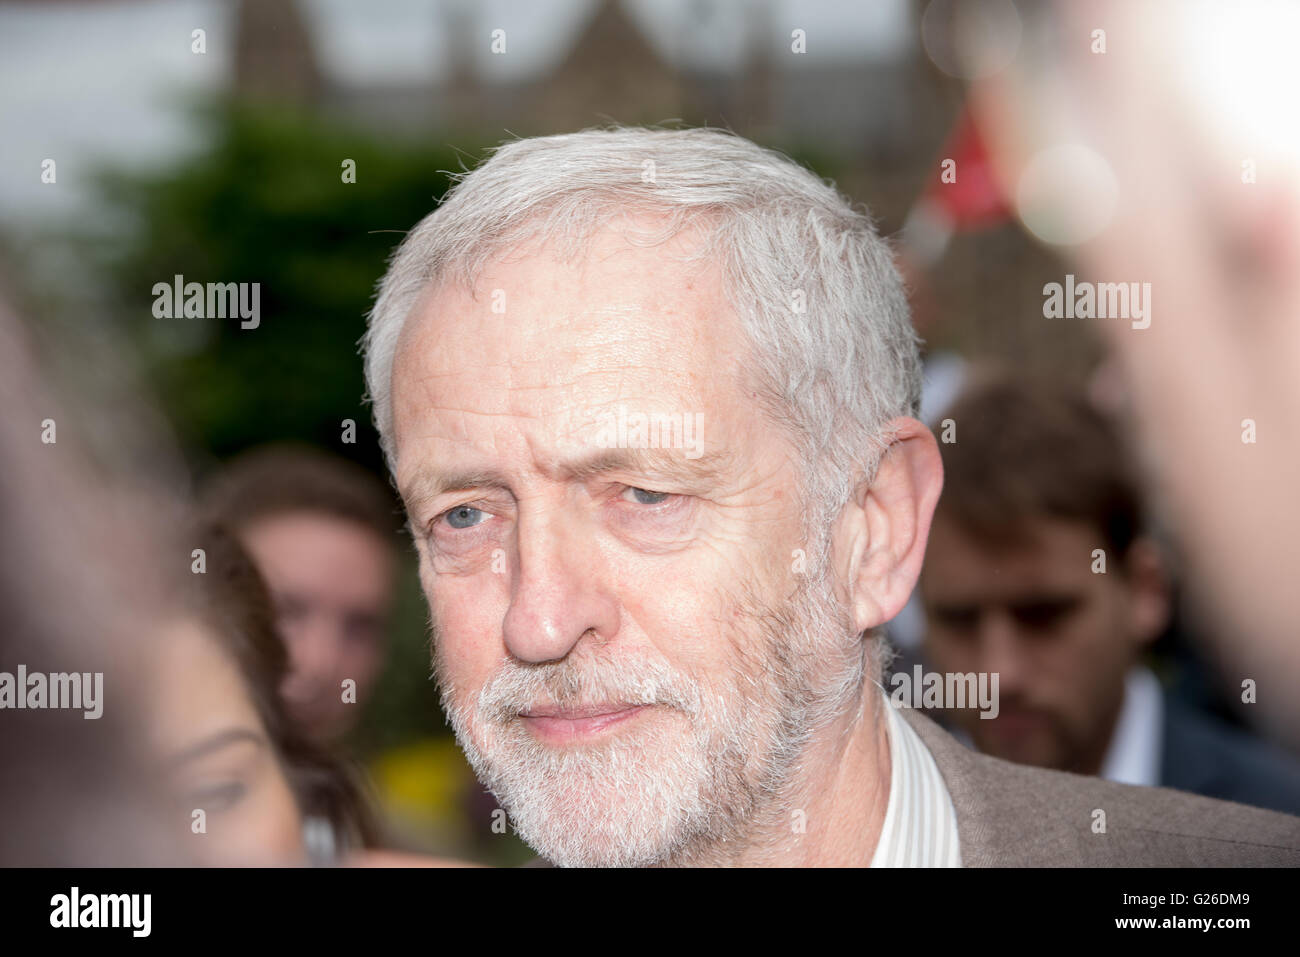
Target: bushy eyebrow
pixel 428 485
pixel 671 465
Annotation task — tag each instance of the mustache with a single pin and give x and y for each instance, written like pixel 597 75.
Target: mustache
pixel 571 684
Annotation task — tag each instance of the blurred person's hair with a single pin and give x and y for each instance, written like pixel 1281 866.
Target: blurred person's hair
pixel 832 375
pixel 283 478
pixel 232 599
pixel 1027 449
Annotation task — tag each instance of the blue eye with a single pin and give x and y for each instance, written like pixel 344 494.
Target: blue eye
pixel 646 497
pixel 463 517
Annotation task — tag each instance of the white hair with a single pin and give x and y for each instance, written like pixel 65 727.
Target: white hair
pixel 813 284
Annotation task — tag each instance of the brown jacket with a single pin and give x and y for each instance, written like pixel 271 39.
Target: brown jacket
pixel 1012 815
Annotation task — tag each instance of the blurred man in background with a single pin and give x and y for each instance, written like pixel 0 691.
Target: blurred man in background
pixel 1038 571
pixel 321 531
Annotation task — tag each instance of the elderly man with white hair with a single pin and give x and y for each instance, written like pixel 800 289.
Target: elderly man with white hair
pixel 664 652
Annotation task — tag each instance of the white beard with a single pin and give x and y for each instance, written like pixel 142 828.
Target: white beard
pixel 689 782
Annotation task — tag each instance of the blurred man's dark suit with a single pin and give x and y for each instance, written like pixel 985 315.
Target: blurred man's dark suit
pixel 1204 755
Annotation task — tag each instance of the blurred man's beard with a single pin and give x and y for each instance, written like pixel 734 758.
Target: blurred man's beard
pixel 1050 743
pixel 697 771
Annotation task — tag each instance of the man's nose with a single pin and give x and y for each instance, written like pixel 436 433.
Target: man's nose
pixel 1001 652
pixel 557 595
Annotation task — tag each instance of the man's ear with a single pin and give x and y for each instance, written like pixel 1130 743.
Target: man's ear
pixel 1150 588
pixel 880 535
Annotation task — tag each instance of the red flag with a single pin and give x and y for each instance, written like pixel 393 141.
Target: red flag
pixel 961 194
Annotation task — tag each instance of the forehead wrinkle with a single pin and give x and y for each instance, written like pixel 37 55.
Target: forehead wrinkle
pixel 428 483
pixel 602 334
pixel 655 462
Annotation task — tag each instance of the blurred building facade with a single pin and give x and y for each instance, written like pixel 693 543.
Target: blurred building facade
pixel 873 119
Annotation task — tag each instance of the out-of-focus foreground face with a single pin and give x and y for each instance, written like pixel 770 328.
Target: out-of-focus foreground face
pixel 332 581
pixel 1174 159
pixel 1059 637
pixel 617 630
pixel 218 758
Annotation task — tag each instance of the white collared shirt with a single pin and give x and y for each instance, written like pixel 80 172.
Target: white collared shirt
pixel 920 828
pixel 1133 755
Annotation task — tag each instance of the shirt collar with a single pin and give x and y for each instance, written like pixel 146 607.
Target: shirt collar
pixel 1133 755
pixel 920 828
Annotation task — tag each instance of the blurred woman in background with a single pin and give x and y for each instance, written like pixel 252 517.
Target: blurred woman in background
pixel 188 716
pixel 267 795
pixel 79 593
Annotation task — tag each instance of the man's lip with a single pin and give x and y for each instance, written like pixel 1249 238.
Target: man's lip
pixel 573 714
pixel 560 726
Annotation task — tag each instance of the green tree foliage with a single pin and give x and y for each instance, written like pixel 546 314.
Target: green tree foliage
pixel 265 201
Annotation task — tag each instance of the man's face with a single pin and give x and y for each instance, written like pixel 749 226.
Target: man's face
pixel 332 581
pixel 1059 636
pixel 617 630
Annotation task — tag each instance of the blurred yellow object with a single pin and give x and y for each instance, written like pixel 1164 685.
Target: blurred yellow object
pixel 425 784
